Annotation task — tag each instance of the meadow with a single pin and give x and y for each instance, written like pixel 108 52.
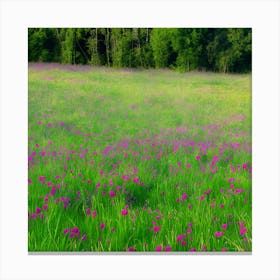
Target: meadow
pixel 123 160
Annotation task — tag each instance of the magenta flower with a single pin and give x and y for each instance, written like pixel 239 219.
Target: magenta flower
pixel 188 165
pixel 102 226
pixel 84 237
pixel 201 198
pixel 180 237
pixel 53 190
pixel 198 157
pixel 184 196
pixel 219 234
pixel 184 243
pixel 88 212
pixel 131 249
pixel 38 210
pixel 189 231
pixel 34 216
pixel 242 230
pixel 158 248
pixel 66 231
pixel 45 207
pixel 157 229
pixel 136 180
pixel 112 193
pixel 168 248
pixel 224 249
pixel 42 178
pixel 224 226
pixel 192 250
pixel 39 122
pixel 124 212
pixel 75 229
pixel 94 214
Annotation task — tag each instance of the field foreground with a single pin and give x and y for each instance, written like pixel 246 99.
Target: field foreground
pixel 122 160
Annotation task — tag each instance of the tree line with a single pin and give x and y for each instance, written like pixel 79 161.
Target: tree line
pixel 183 49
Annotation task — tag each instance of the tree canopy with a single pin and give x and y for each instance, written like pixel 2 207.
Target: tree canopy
pixel 183 49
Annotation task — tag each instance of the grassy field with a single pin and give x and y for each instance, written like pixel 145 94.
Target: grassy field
pixel 122 160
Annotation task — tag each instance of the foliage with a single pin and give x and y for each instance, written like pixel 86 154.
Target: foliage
pixel 185 49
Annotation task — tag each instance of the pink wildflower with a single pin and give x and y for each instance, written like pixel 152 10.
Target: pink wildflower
pixel 94 214
pixel 102 226
pixel 224 226
pixel 242 230
pixel 157 229
pixel 159 248
pixel 180 237
pixel 219 234
pixel 45 207
pixel 124 212
pixel 112 193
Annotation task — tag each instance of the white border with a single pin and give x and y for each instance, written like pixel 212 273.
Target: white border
pixel 262 16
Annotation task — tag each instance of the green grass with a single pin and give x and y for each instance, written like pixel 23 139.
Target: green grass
pixel 109 127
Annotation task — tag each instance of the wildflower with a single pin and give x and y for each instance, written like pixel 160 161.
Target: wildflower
pixel 219 234
pixel 84 237
pixel 45 207
pixel 94 214
pixel 136 180
pixel 189 231
pixel 53 190
pixel 158 248
pixel 66 231
pixel 192 250
pixel 112 193
pixel 42 178
pixel 33 216
pixel 242 230
pixel 224 249
pixel 38 210
pixel 201 198
pixel 168 248
pixel 88 211
pixel 180 237
pixel 102 226
pixel 224 226
pixel 184 196
pixel 198 157
pixel 157 229
pixel 222 205
pixel 188 165
pixel 238 191
pixel 131 249
pixel 124 212
pixel 75 229
pixel 184 243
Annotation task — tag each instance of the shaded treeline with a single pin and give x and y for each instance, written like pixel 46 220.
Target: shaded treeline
pixel 184 49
